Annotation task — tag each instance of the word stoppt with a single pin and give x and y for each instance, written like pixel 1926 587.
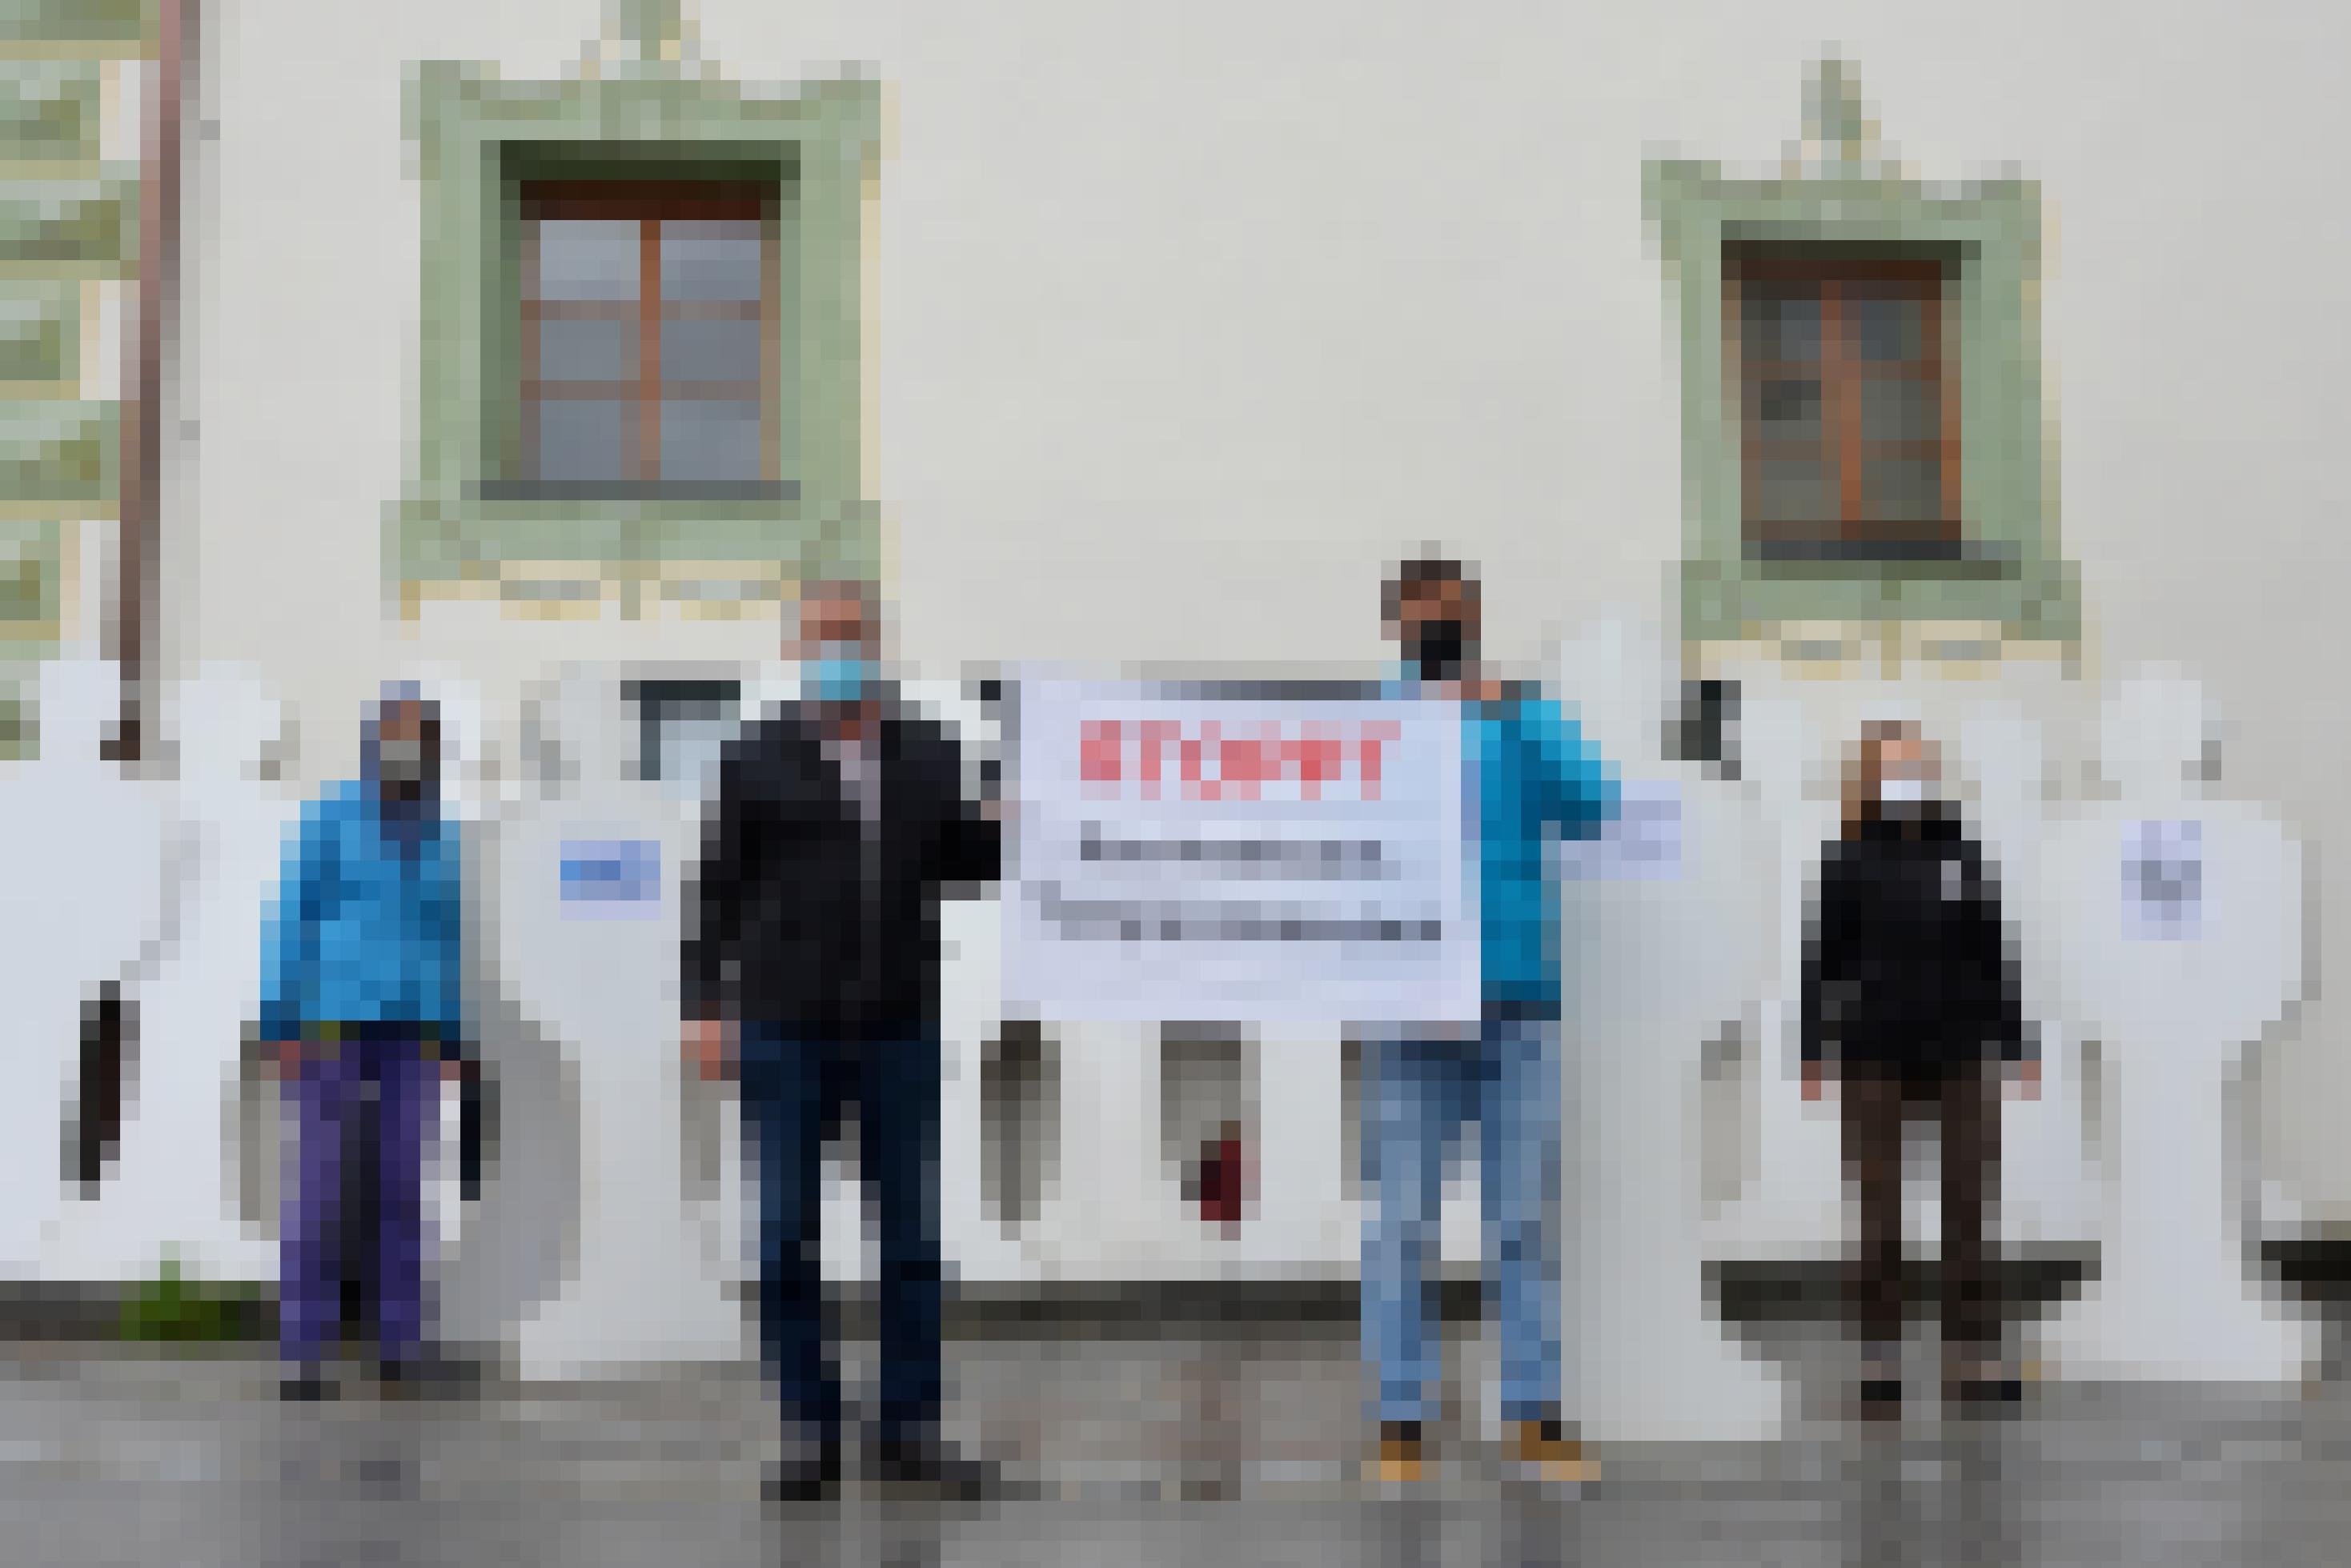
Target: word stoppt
pixel 1214 761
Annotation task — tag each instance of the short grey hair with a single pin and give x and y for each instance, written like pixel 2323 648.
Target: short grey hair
pixel 864 591
pixel 410 694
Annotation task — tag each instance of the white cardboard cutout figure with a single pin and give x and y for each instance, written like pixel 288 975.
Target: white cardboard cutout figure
pixel 2177 1295
pixel 590 1066
pixel 185 1162
pixel 1659 961
pixel 85 850
pixel 1792 1206
pixel 2046 1198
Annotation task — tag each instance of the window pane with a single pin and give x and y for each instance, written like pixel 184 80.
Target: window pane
pixel 1781 324
pixel 587 350
pixel 1885 327
pixel 1788 410
pixel 587 440
pixel 709 440
pixel 691 740
pixel 1902 489
pixel 1900 408
pixel 588 258
pixel 1791 490
pixel 710 260
pixel 710 352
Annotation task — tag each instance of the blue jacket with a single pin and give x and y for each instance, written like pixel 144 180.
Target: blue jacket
pixel 1535 776
pixel 364 928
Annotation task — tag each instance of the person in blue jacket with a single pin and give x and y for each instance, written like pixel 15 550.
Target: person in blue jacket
pixel 362 1008
pixel 1531 779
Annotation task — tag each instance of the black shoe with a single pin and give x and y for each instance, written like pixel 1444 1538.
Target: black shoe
pixel 1992 1395
pixel 304 1388
pixel 933 1467
pixel 421 1378
pixel 1879 1398
pixel 810 1479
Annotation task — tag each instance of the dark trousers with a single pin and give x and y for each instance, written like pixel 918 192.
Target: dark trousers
pixel 1965 1106
pixel 354 1194
pixel 793 1090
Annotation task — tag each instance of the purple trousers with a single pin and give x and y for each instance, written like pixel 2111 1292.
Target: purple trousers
pixel 391 1085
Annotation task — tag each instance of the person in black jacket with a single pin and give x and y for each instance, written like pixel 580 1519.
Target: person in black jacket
pixel 1910 1009
pixel 810 972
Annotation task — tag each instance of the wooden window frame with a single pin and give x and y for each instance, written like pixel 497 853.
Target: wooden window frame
pixel 649 204
pixel 1841 376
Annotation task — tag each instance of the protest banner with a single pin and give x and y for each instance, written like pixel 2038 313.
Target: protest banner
pixel 1237 853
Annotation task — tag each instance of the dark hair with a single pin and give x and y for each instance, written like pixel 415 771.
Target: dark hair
pixel 427 712
pixel 1427 574
pixel 1862 769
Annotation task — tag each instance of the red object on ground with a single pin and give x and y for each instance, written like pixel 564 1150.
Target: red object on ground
pixel 1221 1183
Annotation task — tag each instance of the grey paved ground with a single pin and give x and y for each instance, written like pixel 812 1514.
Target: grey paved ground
pixel 1219 1452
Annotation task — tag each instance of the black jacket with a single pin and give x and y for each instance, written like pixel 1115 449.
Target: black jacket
pixel 800 916
pixel 1908 965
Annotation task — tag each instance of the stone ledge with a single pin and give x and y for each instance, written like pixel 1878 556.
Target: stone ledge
pixel 2316 1267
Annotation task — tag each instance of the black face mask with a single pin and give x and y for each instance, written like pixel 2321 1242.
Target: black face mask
pixel 1913 815
pixel 1436 649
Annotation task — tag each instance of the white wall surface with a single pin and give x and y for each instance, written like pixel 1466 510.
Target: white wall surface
pixel 1191 316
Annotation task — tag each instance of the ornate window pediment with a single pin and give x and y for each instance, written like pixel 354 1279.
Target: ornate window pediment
pixel 1865 438
pixel 642 329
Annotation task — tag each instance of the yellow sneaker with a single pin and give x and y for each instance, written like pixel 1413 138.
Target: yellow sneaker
pixel 1544 1447
pixel 1398 1461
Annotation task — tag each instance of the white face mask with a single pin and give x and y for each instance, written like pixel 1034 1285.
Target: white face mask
pixel 1903 791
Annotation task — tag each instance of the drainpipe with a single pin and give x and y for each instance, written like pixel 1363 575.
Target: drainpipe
pixel 154 296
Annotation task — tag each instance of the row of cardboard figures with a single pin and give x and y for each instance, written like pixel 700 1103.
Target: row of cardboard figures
pixel 2159 929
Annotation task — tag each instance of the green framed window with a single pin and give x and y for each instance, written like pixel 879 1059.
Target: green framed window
pixel 1848 403
pixel 1864 434
pixel 40 338
pixel 81 228
pixel 49 111
pixel 76 29
pixel 649 320
pixel 642 335
pixel 57 460
pixel 32 576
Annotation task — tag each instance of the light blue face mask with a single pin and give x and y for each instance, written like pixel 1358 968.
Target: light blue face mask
pixel 840 673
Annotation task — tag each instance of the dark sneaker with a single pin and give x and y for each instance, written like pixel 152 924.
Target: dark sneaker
pixel 1980 1383
pixel 1877 1394
pixel 304 1388
pixel 814 1477
pixel 1984 1394
pixel 934 1466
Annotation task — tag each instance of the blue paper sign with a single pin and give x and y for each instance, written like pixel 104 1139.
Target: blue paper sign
pixel 610 876
pixel 2163 880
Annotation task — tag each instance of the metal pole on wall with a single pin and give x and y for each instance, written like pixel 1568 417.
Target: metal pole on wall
pixel 155 300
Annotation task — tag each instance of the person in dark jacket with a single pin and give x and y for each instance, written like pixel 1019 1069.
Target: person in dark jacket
pixel 1910 1009
pixel 810 972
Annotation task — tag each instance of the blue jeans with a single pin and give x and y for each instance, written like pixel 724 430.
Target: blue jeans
pixel 1423 1093
pixel 792 1089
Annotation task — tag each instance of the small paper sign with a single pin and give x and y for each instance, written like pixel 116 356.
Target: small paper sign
pixel 617 878
pixel 1644 843
pixel 2163 880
